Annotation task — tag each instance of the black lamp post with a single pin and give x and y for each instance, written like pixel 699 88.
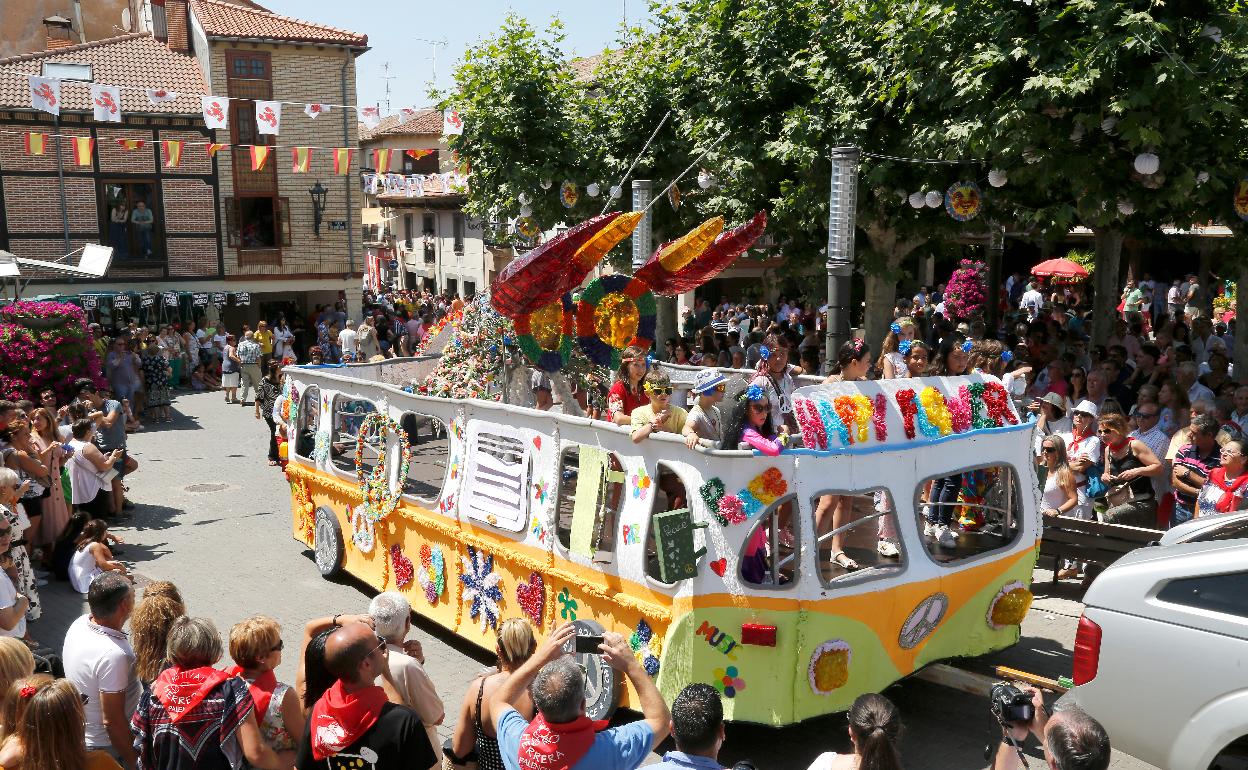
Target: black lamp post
pixel 318 205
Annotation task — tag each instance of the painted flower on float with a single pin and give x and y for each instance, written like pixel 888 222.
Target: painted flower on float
pixel 1009 606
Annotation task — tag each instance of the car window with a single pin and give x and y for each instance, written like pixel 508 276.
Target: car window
pixel 1226 593
pixel 1232 530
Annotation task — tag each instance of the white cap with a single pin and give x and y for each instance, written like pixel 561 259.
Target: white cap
pixel 706 380
pixel 1087 407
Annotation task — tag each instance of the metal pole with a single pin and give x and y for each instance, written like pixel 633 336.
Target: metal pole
pixel 842 205
pixel 60 180
pixel 643 189
pixel 996 247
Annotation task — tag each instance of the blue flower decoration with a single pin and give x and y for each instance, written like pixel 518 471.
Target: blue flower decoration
pixel 754 392
pixel 1007 356
pixel 507 340
pixel 895 328
pixel 904 346
pixel 650 360
pixel 764 352
pixel 750 504
pixel 966 346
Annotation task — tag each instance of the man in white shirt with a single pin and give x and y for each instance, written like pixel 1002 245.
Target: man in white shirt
pixel 100 663
pixel 347 340
pixel 1187 377
pixel 1148 419
pixel 1032 302
pixel 1240 415
pixel 392 619
pixel 1174 296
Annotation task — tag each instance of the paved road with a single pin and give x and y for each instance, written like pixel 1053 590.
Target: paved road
pixel 214 518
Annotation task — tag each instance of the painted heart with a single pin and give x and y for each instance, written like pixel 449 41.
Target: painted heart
pixel 719 566
pixel 532 598
pixel 403 569
pixel 537 442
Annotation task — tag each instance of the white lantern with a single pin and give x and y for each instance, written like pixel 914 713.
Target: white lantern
pixel 705 179
pixel 1202 177
pixel 616 192
pixel 526 210
pixel 546 183
pixel 1109 124
pixel 998 178
pixel 901 195
pixel 524 199
pixel 1031 156
pixel 592 189
pixel 1212 33
pixel 916 200
pixel 1147 163
pixel 934 199
pixel 1076 135
pixel 1126 208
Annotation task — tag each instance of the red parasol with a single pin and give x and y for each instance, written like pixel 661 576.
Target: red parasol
pixel 1061 268
pixel 545 273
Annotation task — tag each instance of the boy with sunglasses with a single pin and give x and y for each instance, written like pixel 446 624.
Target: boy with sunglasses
pixel 703 424
pixel 660 414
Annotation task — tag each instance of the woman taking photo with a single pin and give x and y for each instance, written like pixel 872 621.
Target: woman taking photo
pixel 1129 468
pixel 1227 487
pixel 1060 494
pixel 48 731
pixel 266 396
pixel 47 443
pixel 92 556
pixel 474 729
pixel 626 393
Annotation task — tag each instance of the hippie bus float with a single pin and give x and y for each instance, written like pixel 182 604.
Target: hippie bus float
pixel 481 511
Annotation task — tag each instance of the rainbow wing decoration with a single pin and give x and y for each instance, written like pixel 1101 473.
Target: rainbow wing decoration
pixel 727 246
pixel 545 273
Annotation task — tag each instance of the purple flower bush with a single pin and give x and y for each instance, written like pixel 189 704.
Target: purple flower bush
pixel 966 294
pixel 45 345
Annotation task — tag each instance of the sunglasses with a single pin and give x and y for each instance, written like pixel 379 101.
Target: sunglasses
pixel 760 407
pixel 278 648
pixel 1048 450
pixel 659 391
pixel 1146 415
pixel 1104 432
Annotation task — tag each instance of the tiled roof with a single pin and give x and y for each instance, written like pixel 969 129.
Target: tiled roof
pixel 427 122
pixel 583 68
pixel 225 19
pixel 137 60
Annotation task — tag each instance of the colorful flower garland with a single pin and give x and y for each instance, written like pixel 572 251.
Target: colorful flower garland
pixel 832 422
pixel 936 411
pixel 615 311
pixel 813 434
pixel 909 409
pixel 554 324
pixel 303 504
pixel 379 500
pixel 879 416
pixel 960 410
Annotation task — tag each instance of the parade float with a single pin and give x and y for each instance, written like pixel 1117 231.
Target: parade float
pixel 709 562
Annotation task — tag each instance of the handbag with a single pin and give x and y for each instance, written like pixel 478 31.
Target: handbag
pixel 1121 494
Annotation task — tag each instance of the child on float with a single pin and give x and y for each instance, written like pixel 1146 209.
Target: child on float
pixel 917 358
pixel 749 426
pixel 626 393
pixel 775 375
pixel 662 416
pixel 939 496
pixel 704 425
pixel 893 350
pixel 853 364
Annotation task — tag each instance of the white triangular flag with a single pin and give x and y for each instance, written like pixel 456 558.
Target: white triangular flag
pixel 159 95
pixel 369 116
pixel 407 112
pixel 106 103
pixel 315 110
pixel 268 117
pixel 216 111
pixel 452 123
pixel 45 94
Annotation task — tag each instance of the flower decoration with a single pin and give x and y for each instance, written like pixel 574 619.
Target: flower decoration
pixel 894 327
pixel 979 412
pixel 646 646
pixel 730 510
pixel 764 352
pixel 997 403
pixel 28 691
pixel 482 587
pixel 45 345
pixel 967 346
pixel 546 335
pixel 829 666
pixel 832 422
pixel 904 346
pixel 926 427
pixel 567 605
pixel 712 491
pixel 303 508
pixel 754 392
pixel 363 534
pixel 774 483
pixel 538 529
pixel 615 311
pixel 320 449
pixel 641 484
pixel 1007 356
pixel 1009 606
pixel 966 291
pixel 960 410
pixel 401 565
pixel 728 681
pixel 846 410
pixel 879 417
pixel 862 416
pixel 379 500
pixel 749 503
pixel 813 434
pixel 432 574
pixel 909 409
pixel 936 411
pixel 540 490
pixel 531 596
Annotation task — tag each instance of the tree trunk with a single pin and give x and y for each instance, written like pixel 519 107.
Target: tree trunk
pixel 881 285
pixel 1105 278
pixel 665 322
pixel 1241 311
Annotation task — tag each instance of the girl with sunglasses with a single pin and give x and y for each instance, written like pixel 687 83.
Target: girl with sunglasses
pixel 749 424
pixel 1060 494
pixel 660 415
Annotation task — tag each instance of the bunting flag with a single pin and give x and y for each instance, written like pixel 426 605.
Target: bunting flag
pixel 381 160
pixel 407 112
pixel 36 144
pixel 300 159
pixel 106 103
pixel 452 123
pixel 369 116
pixel 83 147
pixel 131 144
pixel 315 110
pixel 259 154
pixel 268 117
pixel 45 94
pixel 216 110
pixel 214 148
pixel 173 153
pixel 160 95
pixel 342 160
pixel 417 154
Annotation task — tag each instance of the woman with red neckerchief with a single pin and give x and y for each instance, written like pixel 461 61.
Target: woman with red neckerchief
pixel 256 648
pixel 1227 487
pixel 1129 467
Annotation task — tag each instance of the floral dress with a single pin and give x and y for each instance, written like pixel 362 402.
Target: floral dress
pixel 156 378
pixel 18 559
pixel 273 726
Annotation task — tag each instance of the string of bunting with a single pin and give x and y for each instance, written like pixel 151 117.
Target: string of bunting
pixel 169 299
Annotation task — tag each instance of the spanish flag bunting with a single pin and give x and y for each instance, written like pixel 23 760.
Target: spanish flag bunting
pixel 173 153
pixel 83 147
pixel 417 154
pixel 381 160
pixel 342 160
pixel 36 144
pixel 259 154
pixel 214 148
pixel 131 144
pixel 300 159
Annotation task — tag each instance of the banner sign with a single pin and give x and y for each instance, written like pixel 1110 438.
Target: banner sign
pixel 171 299
pixel 147 300
pixel 199 299
pixel 242 298
pixel 218 298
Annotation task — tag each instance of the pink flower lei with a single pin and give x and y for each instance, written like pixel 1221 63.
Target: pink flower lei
pixel 879 417
pixel 811 426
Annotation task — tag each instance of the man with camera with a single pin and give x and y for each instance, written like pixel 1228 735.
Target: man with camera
pixel 1072 740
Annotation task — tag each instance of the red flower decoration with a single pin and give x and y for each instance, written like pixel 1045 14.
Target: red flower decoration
pixel 879 416
pixel 997 402
pixel 909 408
pixel 403 570
pixel 29 691
pixel 808 420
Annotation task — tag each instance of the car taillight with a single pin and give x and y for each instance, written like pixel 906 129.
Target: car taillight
pixel 1087 651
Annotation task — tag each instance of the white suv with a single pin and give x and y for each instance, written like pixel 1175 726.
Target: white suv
pixel 1161 654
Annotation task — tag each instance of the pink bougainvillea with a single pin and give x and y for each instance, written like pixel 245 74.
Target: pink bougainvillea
pixel 967 291
pixel 45 345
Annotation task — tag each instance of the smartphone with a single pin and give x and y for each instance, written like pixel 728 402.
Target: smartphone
pixel 588 644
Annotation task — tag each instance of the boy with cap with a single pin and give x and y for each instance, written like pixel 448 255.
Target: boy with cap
pixel 702 425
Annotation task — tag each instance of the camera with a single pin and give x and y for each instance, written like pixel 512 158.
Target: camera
pixel 1011 705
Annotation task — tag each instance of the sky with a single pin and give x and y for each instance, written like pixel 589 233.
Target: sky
pixel 400 33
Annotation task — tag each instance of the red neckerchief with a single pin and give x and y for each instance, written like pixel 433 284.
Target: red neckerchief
pixel 339 718
pixel 1075 440
pixel 1218 477
pixel 559 746
pixel 261 688
pixel 1115 448
pixel 181 690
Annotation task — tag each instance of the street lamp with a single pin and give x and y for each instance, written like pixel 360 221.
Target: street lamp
pixel 842 205
pixel 318 205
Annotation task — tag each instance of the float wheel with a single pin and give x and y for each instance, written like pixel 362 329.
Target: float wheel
pixel 329 550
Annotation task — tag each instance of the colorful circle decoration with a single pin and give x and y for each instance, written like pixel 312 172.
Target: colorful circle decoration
pixel 546 335
pixel 728 681
pixel 963 201
pixel 527 227
pixel 615 311
pixel 1009 606
pixel 432 572
pixel 568 194
pixel 379 500
pixel 1241 199
pixel 829 666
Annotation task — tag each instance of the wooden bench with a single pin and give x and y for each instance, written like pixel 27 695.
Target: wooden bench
pixel 1093 542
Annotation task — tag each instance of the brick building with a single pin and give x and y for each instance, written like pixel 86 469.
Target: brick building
pixel 219 226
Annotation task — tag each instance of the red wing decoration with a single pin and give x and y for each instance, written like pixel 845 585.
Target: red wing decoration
pixel 545 273
pixel 727 247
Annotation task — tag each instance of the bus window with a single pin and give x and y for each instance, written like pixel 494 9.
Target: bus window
pixel 589 502
pixel 857 534
pixel 348 416
pixel 969 513
pixel 669 494
pixel 769 557
pixel 309 420
pixel 431 447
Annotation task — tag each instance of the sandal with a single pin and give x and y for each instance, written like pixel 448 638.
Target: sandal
pixel 842 560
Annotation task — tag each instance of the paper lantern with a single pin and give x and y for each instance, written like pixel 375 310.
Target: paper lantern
pixel 705 179
pixel 546 183
pixel 1202 177
pixel 592 189
pixel 524 199
pixel 526 210
pixel 614 311
pixel 1212 33
pixel 933 199
pixel 998 178
pixel 1126 208
pixel 1147 163
pixel 1109 124
pixel 616 192
pixel 916 200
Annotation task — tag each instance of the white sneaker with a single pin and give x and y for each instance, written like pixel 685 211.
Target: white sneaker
pixel 929 529
pixel 946 537
pixel 887 547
